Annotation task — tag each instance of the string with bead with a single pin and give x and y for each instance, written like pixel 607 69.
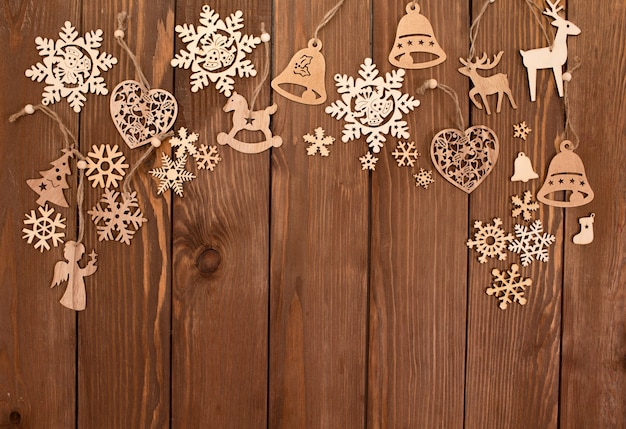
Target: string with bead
pixel 433 84
pixel 265 38
pixel 474 29
pixel 536 11
pixel 567 77
pixel 326 19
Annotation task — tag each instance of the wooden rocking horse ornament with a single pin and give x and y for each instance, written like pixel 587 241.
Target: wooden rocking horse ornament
pixel 245 119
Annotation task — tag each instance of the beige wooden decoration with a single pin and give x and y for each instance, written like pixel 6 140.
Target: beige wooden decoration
pixel 490 240
pixel 521 130
pixel 423 178
pixel 523 169
pixel 552 57
pixel 140 114
pixel 508 286
pixel 465 158
pixel 117 219
pixel 585 236
pixel 524 206
pixel 306 71
pixel 74 297
pixel 566 177
pixel 105 166
pixel 244 119
pixel 484 86
pixel 318 142
pixel 44 228
pixel 50 185
pixel 415 35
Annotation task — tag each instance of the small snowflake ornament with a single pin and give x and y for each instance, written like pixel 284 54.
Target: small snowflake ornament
pixel 72 66
pixel 489 240
pixel 117 220
pixel 216 51
pixel 521 130
pixel 184 143
pixel 372 105
pixel 368 162
pixel 405 154
pixel 207 157
pixel 531 243
pixel 105 166
pixel 318 142
pixel 508 286
pixel 524 206
pixel 172 174
pixel 44 228
pixel 424 178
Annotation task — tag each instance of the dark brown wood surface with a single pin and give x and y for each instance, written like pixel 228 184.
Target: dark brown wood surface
pixel 292 291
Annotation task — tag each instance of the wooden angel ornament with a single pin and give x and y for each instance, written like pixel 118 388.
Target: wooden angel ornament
pixel 245 119
pixel 484 86
pixel 552 57
pixel 74 297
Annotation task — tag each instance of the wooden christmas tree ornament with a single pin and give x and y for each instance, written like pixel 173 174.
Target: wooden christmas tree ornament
pixel 74 297
pixel 552 57
pixel 244 119
pixel 50 185
pixel 465 158
pixel 306 71
pixel 484 86
pixel 566 177
pixel 415 35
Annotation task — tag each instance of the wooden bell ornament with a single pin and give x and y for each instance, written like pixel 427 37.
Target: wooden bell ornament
pixel 306 71
pixel 415 35
pixel 566 173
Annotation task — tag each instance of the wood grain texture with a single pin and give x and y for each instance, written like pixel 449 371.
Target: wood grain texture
pixel 593 361
pixel 513 355
pixel 220 320
pixel 37 334
pixel 319 247
pixel 124 347
pixel 418 281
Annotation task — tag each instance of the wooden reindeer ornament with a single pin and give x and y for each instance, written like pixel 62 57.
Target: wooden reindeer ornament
pixel 245 119
pixel 552 57
pixel 484 86
pixel 74 297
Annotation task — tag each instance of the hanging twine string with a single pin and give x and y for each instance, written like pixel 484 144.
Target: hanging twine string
pixel 265 38
pixel 433 84
pixel 537 11
pixel 567 76
pixel 474 29
pixel 70 145
pixel 135 167
pixel 326 19
pixel 122 23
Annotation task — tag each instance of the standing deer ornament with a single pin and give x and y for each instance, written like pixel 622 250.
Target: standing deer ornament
pixel 484 86
pixel 552 57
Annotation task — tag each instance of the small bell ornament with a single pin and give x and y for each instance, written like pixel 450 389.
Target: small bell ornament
pixel 307 69
pixel 523 169
pixel 415 35
pixel 585 236
pixel 566 173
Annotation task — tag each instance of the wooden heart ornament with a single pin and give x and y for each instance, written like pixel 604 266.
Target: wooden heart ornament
pixel 465 158
pixel 141 114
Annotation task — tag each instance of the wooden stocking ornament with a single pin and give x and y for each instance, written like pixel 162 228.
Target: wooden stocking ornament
pixel 245 119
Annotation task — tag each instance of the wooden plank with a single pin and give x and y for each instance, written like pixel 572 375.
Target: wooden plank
pixel 418 295
pixel 124 348
pixel 38 335
pixel 593 371
pixel 319 240
pixel 513 355
pixel 220 265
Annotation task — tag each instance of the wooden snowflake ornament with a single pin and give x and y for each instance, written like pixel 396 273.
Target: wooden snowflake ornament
pixel 521 130
pixel 185 143
pixel 44 228
pixel 424 178
pixel 105 166
pixel 207 157
pixel 465 158
pixel 117 220
pixel 140 114
pixel 508 286
pixel 70 271
pixel 318 142
pixel 531 243
pixel 372 105
pixel 72 67
pixel 484 86
pixel 405 154
pixel 524 206
pixel 172 174
pixel 216 51
pixel 52 182
pixel 245 119
pixel 368 162
pixel 489 240
pixel 552 57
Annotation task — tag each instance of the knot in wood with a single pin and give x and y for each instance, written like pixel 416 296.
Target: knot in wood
pixel 15 418
pixel 208 260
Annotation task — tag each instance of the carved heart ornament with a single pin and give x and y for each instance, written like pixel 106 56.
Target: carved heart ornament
pixel 139 114
pixel 465 158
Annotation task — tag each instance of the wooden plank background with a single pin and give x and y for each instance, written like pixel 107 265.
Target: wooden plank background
pixel 288 291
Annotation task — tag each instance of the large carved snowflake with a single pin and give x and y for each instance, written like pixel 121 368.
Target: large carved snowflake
pixel 531 242
pixel 71 67
pixel 216 51
pixel 372 105
pixel 105 166
pixel 117 220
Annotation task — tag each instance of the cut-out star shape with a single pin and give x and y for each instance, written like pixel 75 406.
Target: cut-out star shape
pixel 172 174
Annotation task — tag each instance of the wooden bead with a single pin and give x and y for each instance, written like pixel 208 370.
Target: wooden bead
pixel 29 109
pixel 265 37
pixel 155 141
pixel 118 34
